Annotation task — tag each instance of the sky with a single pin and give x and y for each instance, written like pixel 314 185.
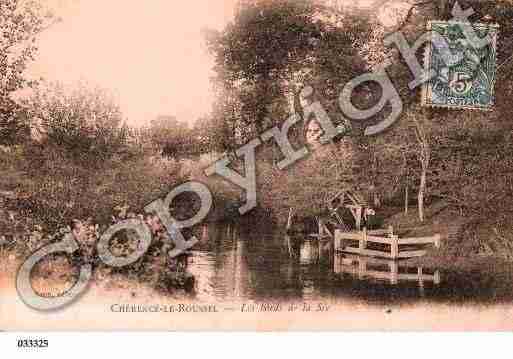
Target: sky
pixel 150 53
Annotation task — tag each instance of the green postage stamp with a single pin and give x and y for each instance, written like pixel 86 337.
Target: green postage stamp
pixel 463 74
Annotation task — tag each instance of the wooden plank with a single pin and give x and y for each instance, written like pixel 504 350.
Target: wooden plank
pixel 346 269
pixel 415 277
pixel 410 254
pixel 352 250
pixel 348 235
pixel 313 235
pixel 381 240
pixel 369 252
pixel 391 276
pixel 378 232
pixel 419 240
pixel 379 275
pixel 366 252
pixel 354 236
pixel 370 260
pixel 394 279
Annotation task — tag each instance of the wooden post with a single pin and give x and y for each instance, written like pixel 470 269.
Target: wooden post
pixel 390 231
pixel 421 281
pixel 358 218
pixel 394 272
pixel 437 241
pixel 363 241
pixel 337 261
pixel 362 268
pixel 320 227
pixel 394 247
pixel 437 277
pixel 204 234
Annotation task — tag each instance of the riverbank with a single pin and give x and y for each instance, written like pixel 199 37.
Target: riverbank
pixel 464 243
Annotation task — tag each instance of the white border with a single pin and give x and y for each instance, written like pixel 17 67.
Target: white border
pixel 264 345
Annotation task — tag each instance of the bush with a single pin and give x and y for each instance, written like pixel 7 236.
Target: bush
pixel 84 122
pixel 59 190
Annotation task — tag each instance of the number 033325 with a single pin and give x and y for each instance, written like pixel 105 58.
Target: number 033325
pixel 32 343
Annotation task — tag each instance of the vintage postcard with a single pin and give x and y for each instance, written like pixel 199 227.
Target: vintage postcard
pixel 255 165
pixel 463 70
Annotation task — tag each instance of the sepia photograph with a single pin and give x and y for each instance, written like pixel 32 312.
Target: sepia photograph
pixel 256 165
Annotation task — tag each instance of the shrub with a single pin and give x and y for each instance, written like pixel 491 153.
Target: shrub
pixel 84 122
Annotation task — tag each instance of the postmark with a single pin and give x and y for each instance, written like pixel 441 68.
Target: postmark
pixel 463 78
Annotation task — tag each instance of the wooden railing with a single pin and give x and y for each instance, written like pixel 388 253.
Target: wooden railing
pixel 391 244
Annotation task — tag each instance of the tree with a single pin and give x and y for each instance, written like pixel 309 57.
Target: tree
pixel 211 134
pixel 83 122
pixel 430 150
pixel 167 134
pixel 173 138
pixel 273 49
pixel 20 23
pixel 424 155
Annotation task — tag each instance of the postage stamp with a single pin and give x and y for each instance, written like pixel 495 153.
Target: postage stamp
pixel 465 77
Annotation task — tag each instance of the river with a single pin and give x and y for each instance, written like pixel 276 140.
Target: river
pixel 271 281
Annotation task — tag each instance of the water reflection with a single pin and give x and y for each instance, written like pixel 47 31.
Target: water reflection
pixel 239 263
pixel 384 270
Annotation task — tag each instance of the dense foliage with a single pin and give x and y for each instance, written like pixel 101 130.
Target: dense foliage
pixel 430 156
pixel 20 23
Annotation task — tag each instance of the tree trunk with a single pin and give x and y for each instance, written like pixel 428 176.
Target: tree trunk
pixel 425 157
pixel 375 175
pixel 303 127
pixel 422 190
pixel 406 199
pixel 289 220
